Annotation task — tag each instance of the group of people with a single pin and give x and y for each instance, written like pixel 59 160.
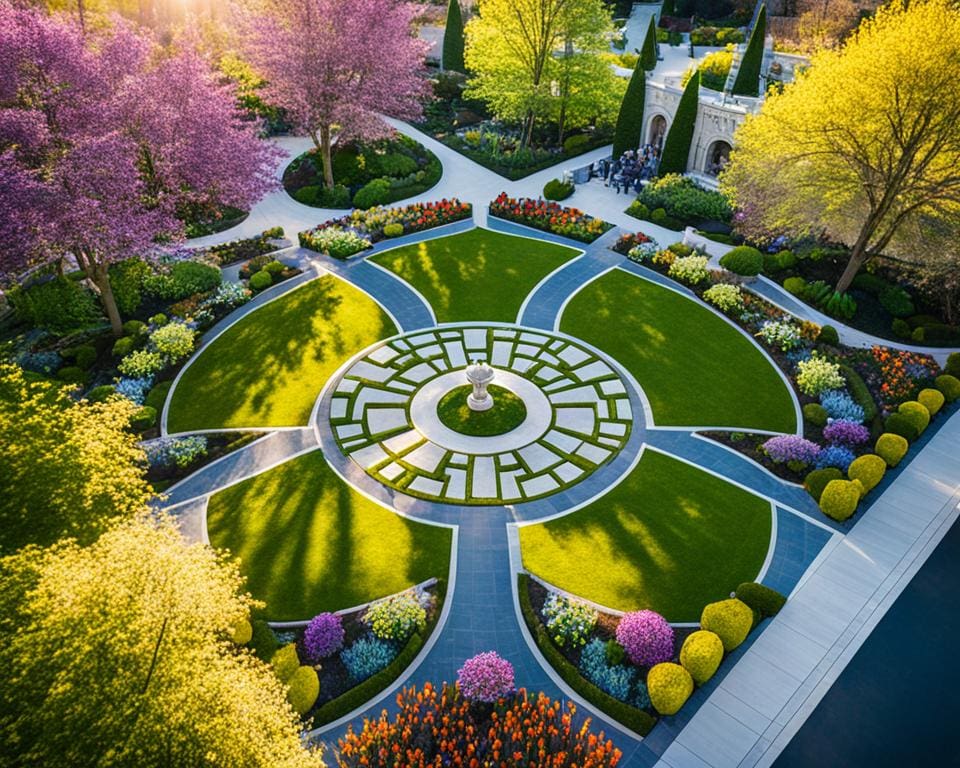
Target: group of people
pixel 631 168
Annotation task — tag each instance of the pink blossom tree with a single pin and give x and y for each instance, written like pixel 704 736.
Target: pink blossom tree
pixel 106 138
pixel 338 65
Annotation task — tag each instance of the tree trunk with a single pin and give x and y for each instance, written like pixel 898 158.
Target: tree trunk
pixel 857 256
pixel 100 276
pixel 527 135
pixel 326 155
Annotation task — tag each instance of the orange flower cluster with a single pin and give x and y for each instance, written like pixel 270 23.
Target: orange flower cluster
pixel 550 217
pixel 440 728
pixel 902 373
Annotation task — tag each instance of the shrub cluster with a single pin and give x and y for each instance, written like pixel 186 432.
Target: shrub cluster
pixel 730 619
pixel 743 260
pixel 701 655
pixel 669 686
pixel 682 198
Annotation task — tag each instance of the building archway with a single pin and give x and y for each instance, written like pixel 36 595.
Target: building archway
pixel 717 158
pixel 657 131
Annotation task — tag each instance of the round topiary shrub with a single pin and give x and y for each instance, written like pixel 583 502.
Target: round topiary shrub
pixel 952 368
pixel 323 636
pixel 918 415
pixel 743 260
pixel 828 335
pixel 840 499
pixel 760 598
pixel 816 481
pixel 669 686
pixel 143 419
pixel 123 347
pixel 701 654
pixel 815 414
pixel 646 636
pixel 932 400
pixel 658 215
pixel 303 690
pixel 555 189
pixel 796 286
pixel 263 643
pixel 394 229
pixel 730 619
pixel 949 386
pixel 85 356
pixel 274 267
pixel 486 677
pixel 891 448
pixel 869 469
pixel 902 425
pixel 260 281
pixel 376 192
pixel 134 328
pixel 285 662
pixel 242 632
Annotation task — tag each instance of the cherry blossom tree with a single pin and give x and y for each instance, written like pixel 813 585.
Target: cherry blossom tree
pixel 108 140
pixel 338 65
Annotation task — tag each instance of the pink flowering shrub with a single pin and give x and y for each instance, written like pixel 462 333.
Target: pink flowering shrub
pixel 486 677
pixel 785 448
pixel 846 432
pixel 646 636
pixel 323 636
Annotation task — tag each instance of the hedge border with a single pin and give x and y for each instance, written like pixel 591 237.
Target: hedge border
pixel 635 719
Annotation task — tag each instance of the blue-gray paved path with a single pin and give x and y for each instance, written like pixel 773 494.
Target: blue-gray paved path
pixel 543 306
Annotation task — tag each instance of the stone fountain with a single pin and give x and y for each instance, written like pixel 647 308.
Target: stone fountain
pixel 479 374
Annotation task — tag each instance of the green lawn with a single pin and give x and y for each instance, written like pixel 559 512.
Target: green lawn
pixel 508 412
pixel 309 543
pixel 268 369
pixel 695 368
pixel 670 537
pixel 475 275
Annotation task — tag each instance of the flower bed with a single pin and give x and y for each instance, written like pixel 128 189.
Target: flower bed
pixel 173 458
pixel 360 229
pixel 241 250
pixel 615 661
pixel 549 217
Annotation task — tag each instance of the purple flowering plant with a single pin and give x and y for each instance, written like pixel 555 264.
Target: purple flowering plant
pixel 846 432
pixel 646 636
pixel 783 448
pixel 486 677
pixel 323 636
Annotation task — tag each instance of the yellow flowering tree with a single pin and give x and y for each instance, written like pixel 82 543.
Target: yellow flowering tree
pixel 865 143
pixel 118 654
pixel 69 467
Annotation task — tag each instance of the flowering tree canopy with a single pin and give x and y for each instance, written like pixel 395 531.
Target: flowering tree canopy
pixel 338 63
pixel 107 140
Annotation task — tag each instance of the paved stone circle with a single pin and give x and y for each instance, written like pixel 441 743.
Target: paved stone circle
pixel 383 414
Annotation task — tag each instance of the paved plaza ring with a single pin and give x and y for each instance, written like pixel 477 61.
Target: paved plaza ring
pixel 575 414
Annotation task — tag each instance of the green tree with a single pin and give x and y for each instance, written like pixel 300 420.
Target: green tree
pixel 589 93
pixel 676 148
pixel 69 468
pixel 667 8
pixel 648 53
pixel 514 52
pixel 629 129
pixel 864 147
pixel 453 39
pixel 748 76
pixel 118 654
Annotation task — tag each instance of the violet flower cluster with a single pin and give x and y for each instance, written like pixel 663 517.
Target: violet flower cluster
pixel 783 448
pixel 323 636
pixel 486 677
pixel 846 432
pixel 646 636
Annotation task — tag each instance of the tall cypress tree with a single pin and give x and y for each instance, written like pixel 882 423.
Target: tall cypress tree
pixel 676 149
pixel 453 39
pixel 648 54
pixel 748 76
pixel 630 119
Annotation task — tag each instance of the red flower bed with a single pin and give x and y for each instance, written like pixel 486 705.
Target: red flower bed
pixel 548 216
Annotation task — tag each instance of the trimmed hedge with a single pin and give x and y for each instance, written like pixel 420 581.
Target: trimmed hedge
pixel 816 481
pixel 816 414
pixel 285 662
pixel 648 53
pixel 701 655
pixel 891 448
pixel 952 368
pixel 635 719
pixel 760 598
pixel 748 76
pixel 902 425
pixel 949 386
pixel 932 400
pixel 828 335
pixel 676 148
pixel 743 260
pixel 453 39
pixel 263 643
pixel 869 469
pixel 555 189
pixel 629 128
pixel 859 391
pixel 840 499
pixel 304 688
pixel 669 686
pixel 917 413
pixel 730 619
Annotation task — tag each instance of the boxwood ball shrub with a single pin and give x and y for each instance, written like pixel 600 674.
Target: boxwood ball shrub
pixel 701 655
pixel 242 632
pixel 143 419
pixel 569 621
pixel 949 386
pixel 303 690
pixel 916 413
pixel 555 189
pixel 486 677
pixel 891 448
pixel 396 618
pixel 394 229
pixel 367 656
pixel 795 285
pixel 869 469
pixel 952 368
pixel 743 260
pixel 840 499
pixel 669 686
pixel 260 281
pixel 285 662
pixel 815 414
pixel 264 642
pixel 646 636
pixel 323 636
pixel 828 335
pixel 932 400
pixel 730 619
pixel 766 601
pixel 816 481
